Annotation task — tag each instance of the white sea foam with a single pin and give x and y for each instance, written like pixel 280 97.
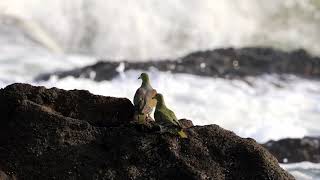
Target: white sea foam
pixel 303 170
pixel 152 29
pixel 24 65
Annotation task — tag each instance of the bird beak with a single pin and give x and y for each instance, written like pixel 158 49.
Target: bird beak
pixel 139 77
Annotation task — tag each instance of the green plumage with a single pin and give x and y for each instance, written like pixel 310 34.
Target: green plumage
pixel 166 118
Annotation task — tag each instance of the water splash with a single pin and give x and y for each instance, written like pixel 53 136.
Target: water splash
pixel 303 170
pixel 151 29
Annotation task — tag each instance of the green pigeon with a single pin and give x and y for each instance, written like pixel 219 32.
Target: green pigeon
pixel 166 118
pixel 143 100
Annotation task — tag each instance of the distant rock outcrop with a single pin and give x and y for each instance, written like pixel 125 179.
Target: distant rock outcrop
pixel 58 134
pixel 291 150
pixel 227 63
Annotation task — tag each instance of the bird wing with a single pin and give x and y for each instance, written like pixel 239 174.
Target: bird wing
pixel 139 99
pixel 169 116
pixel 157 116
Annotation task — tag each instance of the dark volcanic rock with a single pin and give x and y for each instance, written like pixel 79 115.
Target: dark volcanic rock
pixel 228 63
pixel 295 150
pixel 57 134
pixel 186 123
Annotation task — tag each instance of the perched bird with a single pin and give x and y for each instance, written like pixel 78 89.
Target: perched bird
pixel 166 118
pixel 143 100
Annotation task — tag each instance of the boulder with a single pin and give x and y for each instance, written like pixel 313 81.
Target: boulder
pixel 58 134
pixel 293 150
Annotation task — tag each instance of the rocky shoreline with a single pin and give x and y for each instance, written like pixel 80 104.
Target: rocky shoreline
pixel 58 134
pixel 293 150
pixel 225 63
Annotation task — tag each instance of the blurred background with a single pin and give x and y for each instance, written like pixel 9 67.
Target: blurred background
pixel 184 45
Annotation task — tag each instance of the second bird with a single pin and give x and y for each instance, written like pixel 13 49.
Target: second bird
pixel 166 118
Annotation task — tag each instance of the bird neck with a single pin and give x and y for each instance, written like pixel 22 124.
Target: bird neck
pixel 161 104
pixel 146 83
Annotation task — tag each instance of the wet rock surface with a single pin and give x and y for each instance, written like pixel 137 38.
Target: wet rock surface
pixel 58 134
pixel 291 150
pixel 226 63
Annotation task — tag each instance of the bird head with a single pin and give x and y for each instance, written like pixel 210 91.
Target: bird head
pixel 144 77
pixel 159 98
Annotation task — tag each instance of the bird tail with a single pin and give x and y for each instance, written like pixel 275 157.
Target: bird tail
pixel 182 134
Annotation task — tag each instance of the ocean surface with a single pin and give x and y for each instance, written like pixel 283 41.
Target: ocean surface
pixel 38 36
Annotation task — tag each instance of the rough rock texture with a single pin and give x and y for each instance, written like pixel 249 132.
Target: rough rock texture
pixel 227 63
pixel 186 123
pixel 295 150
pixel 57 134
